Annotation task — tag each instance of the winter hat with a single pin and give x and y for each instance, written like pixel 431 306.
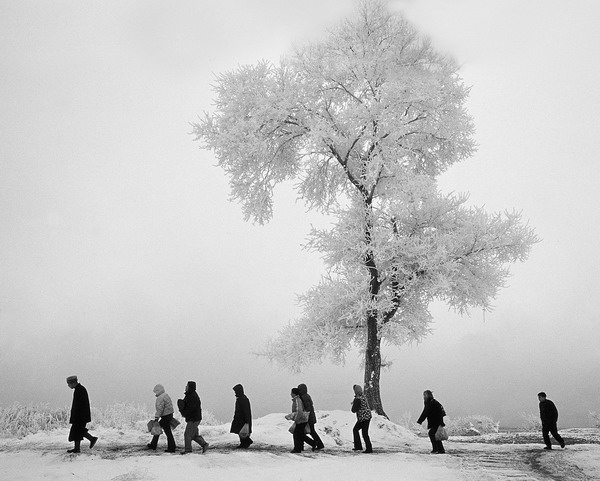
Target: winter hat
pixel 191 386
pixel 295 391
pixel 158 389
pixel 72 379
pixel 357 389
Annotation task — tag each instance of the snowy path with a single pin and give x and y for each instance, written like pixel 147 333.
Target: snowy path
pixel 399 455
pixel 465 462
pixel 524 463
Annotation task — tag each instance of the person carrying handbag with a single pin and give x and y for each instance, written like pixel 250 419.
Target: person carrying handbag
pixel 164 411
pixel 300 426
pixel 190 408
pixel 434 412
pixel 242 417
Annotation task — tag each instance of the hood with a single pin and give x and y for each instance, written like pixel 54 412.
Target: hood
pixel 357 389
pixel 303 389
pixel 191 386
pixel 158 389
pixel 238 389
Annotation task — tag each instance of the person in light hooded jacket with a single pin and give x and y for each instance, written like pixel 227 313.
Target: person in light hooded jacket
pixel 190 408
pixel 164 411
pixel 312 418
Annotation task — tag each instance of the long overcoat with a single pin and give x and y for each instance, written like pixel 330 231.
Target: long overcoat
pixel 242 413
pixel 80 413
pixel 434 412
pixel 308 403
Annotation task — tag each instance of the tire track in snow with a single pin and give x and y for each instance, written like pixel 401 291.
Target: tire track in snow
pixel 517 465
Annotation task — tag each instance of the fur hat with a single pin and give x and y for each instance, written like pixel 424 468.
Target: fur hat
pixel 72 379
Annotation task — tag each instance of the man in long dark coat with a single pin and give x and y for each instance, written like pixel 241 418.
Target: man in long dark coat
pixel 549 418
pixel 434 412
pixel 242 416
pixel 80 416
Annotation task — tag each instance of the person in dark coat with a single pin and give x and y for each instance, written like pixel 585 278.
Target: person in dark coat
pixel 360 406
pixel 434 413
pixel 80 416
pixel 549 418
pixel 242 417
pixel 312 418
pixel 190 408
pixel 300 417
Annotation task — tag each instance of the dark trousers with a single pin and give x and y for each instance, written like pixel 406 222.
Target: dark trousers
pixel 192 434
pixel 77 433
pixel 165 423
pixel 552 429
pixel 438 446
pixel 364 427
pixel 300 437
pixel 318 443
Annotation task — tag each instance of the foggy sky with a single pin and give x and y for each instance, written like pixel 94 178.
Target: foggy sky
pixel 123 261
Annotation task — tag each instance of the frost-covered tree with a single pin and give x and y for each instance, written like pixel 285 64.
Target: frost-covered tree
pixel 364 121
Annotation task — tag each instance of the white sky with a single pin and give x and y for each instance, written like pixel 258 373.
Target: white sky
pixel 122 260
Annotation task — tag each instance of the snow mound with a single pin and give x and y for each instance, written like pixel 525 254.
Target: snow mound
pixel 334 428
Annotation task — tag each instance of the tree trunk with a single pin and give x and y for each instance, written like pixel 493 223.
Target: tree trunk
pixel 373 367
pixel 373 347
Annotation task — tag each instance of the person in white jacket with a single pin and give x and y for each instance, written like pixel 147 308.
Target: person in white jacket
pixel 164 411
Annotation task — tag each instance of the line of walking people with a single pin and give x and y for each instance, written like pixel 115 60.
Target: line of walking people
pixel 190 408
pixel 302 414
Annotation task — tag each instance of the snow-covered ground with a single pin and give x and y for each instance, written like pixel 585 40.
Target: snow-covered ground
pixel 121 455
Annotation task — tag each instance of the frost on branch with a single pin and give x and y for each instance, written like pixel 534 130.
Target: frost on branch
pixel 371 100
pixel 363 121
pixel 426 246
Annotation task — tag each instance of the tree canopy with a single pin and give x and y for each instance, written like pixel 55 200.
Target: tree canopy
pixel 363 121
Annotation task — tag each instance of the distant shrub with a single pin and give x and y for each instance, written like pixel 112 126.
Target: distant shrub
pixel 531 422
pixel 409 422
pixel 595 418
pixel 474 425
pixel 18 420
pixel 121 415
pixel 209 419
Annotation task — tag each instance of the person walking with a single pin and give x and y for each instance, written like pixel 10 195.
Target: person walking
pixel 80 416
pixel 312 418
pixel 360 406
pixel 300 417
pixel 164 411
pixel 242 417
pixel 549 418
pixel 434 413
pixel 190 408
